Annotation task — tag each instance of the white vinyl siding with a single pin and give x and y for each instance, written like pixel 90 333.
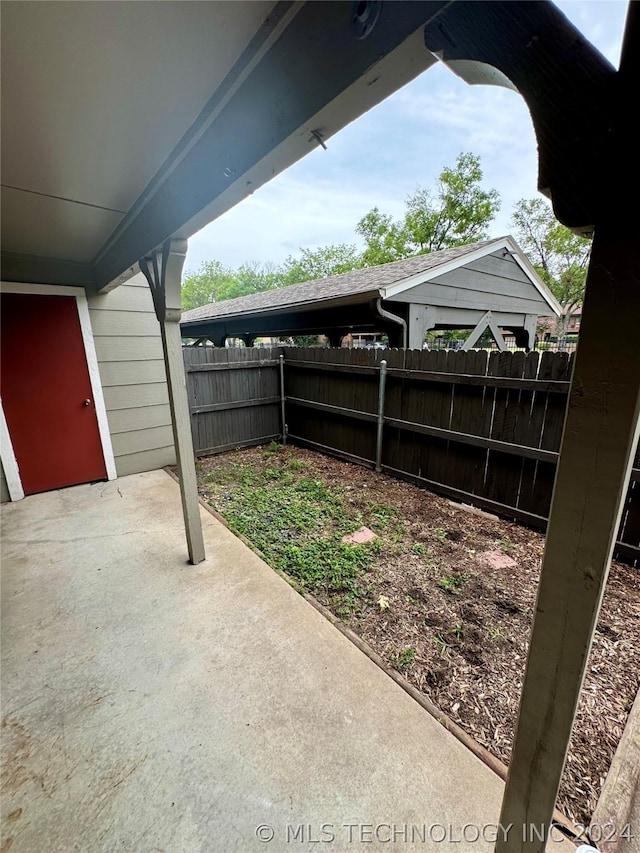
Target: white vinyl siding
pixel 132 374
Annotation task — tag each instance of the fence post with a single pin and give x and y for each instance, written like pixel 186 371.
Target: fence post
pixel 381 389
pixel 282 400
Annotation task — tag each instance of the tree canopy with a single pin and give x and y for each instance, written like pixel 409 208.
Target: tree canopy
pixel 214 282
pixel 559 256
pixel 319 263
pixel 457 211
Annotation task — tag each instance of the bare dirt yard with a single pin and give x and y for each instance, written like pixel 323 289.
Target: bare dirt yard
pixel 444 594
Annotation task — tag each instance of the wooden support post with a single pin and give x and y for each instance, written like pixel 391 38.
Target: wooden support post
pixel 530 326
pixel 163 271
pixel 420 321
pixel 599 439
pixel 485 322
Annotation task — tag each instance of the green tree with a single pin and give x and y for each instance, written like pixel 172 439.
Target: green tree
pixel 214 282
pixel 458 211
pixel 385 240
pixel 316 264
pixel 205 285
pixel 559 256
pixel 319 263
pixel 251 278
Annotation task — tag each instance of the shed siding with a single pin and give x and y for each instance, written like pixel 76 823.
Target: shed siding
pixel 129 350
pixel 495 282
pixel 4 490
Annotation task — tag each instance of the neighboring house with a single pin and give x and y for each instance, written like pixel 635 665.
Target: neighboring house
pixel 548 326
pixel 489 284
pixel 60 346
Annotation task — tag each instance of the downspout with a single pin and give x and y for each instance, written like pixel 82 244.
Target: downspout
pixel 383 314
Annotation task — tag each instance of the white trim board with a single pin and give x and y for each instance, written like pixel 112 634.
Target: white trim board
pixel 9 461
pixel 6 448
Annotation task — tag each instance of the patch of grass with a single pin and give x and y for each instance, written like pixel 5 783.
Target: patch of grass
pixel 327 566
pixel 230 473
pixel 440 534
pixel 406 657
pixel 297 524
pixel 420 550
pixel 452 583
pixel 296 465
pixel 316 490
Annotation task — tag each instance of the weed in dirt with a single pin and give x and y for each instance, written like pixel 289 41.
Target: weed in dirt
pixel 272 449
pixel 278 474
pixel 381 515
pixel 506 545
pixel 494 632
pixel 452 583
pixel 395 534
pixel 350 604
pixel 406 657
pixel 420 550
pixel 440 534
pixel 442 645
pixel 458 631
pixel 296 465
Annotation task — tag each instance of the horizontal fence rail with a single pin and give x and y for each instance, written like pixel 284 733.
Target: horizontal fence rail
pixel 480 428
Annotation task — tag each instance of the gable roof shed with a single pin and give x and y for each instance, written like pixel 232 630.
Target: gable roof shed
pixel 453 288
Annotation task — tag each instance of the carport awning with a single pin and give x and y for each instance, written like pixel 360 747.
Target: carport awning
pixel 491 275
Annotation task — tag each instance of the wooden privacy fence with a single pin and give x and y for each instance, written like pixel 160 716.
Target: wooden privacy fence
pixel 235 397
pixel 479 428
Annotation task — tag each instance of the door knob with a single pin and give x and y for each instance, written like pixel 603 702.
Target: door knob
pixel 86 402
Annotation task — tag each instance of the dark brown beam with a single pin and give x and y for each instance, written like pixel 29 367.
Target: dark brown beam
pixel 352 317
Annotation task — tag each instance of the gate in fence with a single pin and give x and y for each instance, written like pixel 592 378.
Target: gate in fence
pixel 480 428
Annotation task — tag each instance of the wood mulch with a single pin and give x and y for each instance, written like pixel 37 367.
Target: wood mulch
pixel 458 628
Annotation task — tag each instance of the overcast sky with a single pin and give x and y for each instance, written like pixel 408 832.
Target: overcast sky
pixel 382 157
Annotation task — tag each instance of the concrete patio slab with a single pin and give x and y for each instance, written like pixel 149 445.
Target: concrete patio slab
pixel 149 705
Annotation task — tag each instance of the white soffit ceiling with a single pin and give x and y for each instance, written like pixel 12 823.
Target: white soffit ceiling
pixel 95 96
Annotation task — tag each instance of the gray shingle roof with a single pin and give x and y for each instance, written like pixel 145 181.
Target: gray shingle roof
pixel 345 284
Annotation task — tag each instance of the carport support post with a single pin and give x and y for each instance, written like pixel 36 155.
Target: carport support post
pixel 163 271
pixel 599 439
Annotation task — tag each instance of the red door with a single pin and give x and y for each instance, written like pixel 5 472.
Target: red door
pixel 46 393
